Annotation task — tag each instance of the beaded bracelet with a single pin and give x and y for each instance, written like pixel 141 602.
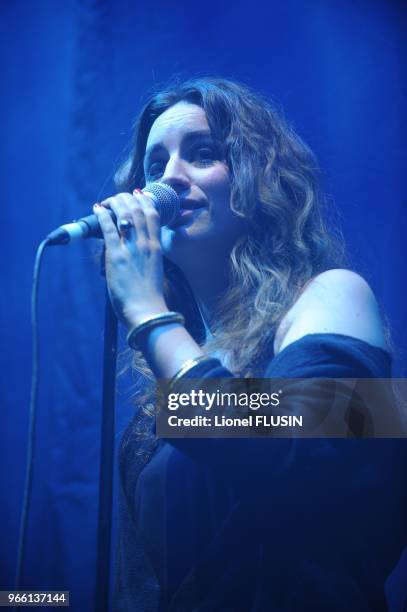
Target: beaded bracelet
pixel 164 318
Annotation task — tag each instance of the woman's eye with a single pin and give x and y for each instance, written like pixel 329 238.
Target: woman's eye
pixel 205 155
pixel 156 169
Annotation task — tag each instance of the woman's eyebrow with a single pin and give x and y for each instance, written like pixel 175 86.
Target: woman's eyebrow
pixel 188 138
pixel 196 135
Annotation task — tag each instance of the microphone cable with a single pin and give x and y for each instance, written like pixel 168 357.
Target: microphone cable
pixel 32 416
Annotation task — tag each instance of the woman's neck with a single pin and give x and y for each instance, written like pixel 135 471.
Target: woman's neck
pixel 208 284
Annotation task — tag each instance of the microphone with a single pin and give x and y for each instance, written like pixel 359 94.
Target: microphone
pixel 165 200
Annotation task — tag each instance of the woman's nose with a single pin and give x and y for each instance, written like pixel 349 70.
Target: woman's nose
pixel 176 175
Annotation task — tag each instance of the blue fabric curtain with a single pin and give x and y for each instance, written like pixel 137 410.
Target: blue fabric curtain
pixel 74 75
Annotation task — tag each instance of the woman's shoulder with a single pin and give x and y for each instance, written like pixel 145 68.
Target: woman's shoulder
pixel 336 301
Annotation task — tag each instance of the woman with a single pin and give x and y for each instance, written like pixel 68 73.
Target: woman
pixel 259 280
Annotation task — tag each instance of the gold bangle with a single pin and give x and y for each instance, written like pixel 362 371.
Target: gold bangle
pixel 189 365
pixel 164 318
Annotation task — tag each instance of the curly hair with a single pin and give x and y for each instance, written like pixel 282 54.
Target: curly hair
pixel 275 188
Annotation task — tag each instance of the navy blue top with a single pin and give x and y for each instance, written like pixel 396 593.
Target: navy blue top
pixel 264 524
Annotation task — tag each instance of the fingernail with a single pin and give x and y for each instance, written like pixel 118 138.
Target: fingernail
pixel 97 205
pixel 138 190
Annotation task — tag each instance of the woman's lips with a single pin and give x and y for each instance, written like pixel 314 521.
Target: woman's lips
pixel 186 212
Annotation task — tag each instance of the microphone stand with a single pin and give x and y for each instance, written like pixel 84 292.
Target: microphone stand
pixel 106 460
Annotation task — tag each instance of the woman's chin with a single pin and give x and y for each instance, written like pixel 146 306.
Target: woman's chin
pixel 185 242
pixel 182 235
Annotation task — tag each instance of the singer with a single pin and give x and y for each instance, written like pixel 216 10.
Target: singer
pixel 246 281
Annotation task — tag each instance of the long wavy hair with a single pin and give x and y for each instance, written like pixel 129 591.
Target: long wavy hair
pixel 275 188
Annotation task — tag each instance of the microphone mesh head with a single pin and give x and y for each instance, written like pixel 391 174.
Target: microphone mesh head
pixel 166 201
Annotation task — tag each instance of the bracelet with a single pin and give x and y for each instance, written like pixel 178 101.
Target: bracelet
pixel 190 365
pixel 149 323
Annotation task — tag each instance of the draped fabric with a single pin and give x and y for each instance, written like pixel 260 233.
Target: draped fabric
pixel 74 75
pixel 265 524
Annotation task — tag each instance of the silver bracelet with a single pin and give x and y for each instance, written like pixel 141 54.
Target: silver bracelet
pixel 164 318
pixel 190 365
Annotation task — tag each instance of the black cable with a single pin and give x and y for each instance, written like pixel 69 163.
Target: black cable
pixel 32 416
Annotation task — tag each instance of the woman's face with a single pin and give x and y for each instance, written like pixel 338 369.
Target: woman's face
pixel 182 153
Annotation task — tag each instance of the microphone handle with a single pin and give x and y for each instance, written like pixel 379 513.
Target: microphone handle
pixel 90 227
pixel 86 227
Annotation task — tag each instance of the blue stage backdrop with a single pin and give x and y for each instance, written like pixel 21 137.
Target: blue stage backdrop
pixel 74 75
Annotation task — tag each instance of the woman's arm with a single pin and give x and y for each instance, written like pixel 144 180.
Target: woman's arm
pixel 134 273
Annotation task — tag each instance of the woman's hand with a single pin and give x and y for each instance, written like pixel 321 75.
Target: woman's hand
pixel 134 265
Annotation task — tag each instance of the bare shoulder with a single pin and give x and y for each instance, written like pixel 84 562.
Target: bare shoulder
pixel 337 301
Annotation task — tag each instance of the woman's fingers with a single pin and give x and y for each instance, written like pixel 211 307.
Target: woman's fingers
pixel 152 218
pixel 134 212
pixel 124 219
pixel 137 222
pixel 107 226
